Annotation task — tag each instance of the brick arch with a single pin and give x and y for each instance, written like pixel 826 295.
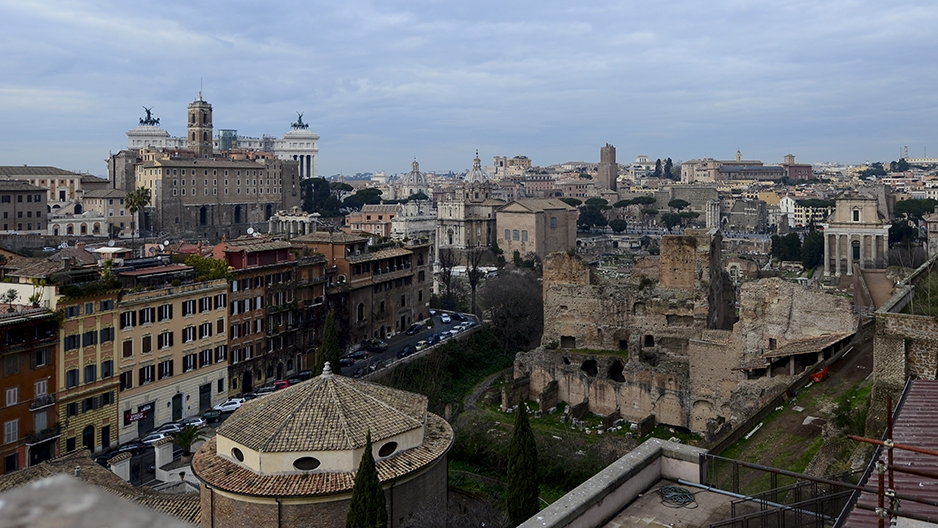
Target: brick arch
pixel 701 413
pixel 602 397
pixel 635 402
pixel 572 389
pixel 539 380
pixel 669 410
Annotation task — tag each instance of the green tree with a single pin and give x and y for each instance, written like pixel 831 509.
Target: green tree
pixel 670 220
pixel 135 201
pixel 618 225
pixel 522 493
pixel 207 268
pixel 420 195
pixel 787 248
pixel 812 249
pixel 329 350
pixel 573 202
pixel 669 170
pixel 589 217
pixel 622 203
pixel 599 203
pixel 914 210
pixel 643 200
pixel 188 437
pixel 649 213
pixel 678 204
pixel 899 166
pixel 367 507
pixel 658 172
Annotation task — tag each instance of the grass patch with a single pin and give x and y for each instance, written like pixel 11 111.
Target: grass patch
pixel 666 432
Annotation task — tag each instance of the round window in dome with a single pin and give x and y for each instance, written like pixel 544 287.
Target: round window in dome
pixel 237 454
pixel 387 449
pixel 306 463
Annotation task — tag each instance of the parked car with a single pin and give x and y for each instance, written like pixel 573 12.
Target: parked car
pixel 307 374
pixel 169 428
pixel 281 384
pixel 212 416
pixel 264 391
pixel 421 345
pixel 194 421
pixel 249 396
pixel 231 405
pixel 346 362
pixel 414 328
pixel 446 319
pixel 433 339
pixel 155 437
pixel 406 351
pixel 135 448
pixel 459 317
pixel 359 354
pixel 374 345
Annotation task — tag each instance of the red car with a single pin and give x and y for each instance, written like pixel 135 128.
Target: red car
pixel 281 384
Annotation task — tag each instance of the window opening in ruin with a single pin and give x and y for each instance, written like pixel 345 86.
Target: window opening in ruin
pixel 567 342
pixel 589 367
pixel 566 361
pixel 623 344
pixel 615 372
pixel 649 340
pixel 772 343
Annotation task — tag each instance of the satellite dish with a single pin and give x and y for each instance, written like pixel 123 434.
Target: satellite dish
pixel 166 242
pixel 152 250
pixel 250 230
pixel 110 243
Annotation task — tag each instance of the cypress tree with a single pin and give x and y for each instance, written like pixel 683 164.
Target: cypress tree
pixel 368 507
pixel 329 350
pixel 522 498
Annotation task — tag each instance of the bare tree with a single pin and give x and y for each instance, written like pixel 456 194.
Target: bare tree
pixel 473 271
pixel 513 302
pixel 447 262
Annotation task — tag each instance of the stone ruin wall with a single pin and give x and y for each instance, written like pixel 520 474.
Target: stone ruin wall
pixel 651 350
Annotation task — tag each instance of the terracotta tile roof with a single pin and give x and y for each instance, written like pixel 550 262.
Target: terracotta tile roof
pixel 223 474
pixel 382 254
pixel 105 193
pixel 34 170
pixel 185 507
pixel 326 413
pixel 805 346
pixel 329 237
pixel 262 245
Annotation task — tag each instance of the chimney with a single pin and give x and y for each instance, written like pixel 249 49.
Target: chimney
pixel 78 471
pixel 80 245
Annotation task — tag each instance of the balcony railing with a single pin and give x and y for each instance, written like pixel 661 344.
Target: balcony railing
pixel 45 435
pixel 41 402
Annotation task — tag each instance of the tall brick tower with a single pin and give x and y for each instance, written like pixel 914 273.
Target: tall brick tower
pixel 608 168
pixel 200 128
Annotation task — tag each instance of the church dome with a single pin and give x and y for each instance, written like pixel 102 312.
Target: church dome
pixel 414 177
pixel 477 175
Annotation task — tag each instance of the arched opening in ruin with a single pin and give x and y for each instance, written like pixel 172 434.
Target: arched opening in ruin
pixel 589 367
pixel 649 340
pixel 615 372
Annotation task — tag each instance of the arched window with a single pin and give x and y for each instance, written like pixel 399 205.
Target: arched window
pixel 87 437
pixel 237 214
pixel 361 311
pixel 203 215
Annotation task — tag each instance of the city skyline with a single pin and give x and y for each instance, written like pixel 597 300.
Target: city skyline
pixel 384 83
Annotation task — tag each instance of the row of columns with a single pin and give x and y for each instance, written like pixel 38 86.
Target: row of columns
pixel 843 247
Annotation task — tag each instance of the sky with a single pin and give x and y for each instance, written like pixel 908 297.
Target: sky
pixel 385 82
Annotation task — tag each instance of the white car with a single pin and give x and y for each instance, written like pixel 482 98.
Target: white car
pixel 231 405
pixel 446 319
pixel 155 437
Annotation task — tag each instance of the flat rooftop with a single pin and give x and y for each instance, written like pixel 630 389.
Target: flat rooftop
pixel 650 510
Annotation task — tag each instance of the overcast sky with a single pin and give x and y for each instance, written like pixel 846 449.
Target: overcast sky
pixel 384 82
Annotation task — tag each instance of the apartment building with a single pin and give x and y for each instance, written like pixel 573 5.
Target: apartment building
pixel 23 207
pixel 87 382
pixel 27 379
pixel 173 342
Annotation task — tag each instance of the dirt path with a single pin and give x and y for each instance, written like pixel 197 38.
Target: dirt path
pixel 470 401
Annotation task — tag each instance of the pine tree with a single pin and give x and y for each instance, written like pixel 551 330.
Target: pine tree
pixel 367 508
pixel 522 497
pixel 329 350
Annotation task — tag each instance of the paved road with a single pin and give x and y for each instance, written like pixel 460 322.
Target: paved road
pixel 398 342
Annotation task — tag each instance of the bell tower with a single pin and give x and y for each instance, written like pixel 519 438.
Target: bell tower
pixel 200 135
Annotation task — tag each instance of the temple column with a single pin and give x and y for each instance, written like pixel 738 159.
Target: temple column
pixel 837 256
pixel 827 254
pixel 862 236
pixel 849 255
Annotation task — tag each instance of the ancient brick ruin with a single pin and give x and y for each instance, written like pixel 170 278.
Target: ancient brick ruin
pixel 668 344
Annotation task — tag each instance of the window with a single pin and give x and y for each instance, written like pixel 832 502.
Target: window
pixel 205 304
pixel 40 421
pixel 147 316
pixel 42 388
pixel 164 340
pixel 128 348
pixel 91 373
pixel 221 353
pixel 205 330
pixel 188 334
pixel 146 344
pixel 127 380
pixel 128 319
pixel 508 234
pixel 524 235
pixel 553 222
pixel 166 369
pixel 107 334
pixel 164 312
pixel 72 311
pixel 71 378
pixel 107 398
pixel 221 385
pixel 188 362
pixel 146 374
pixel 107 369
pixel 221 300
pixel 220 326
pixel 72 342
pixel 71 410
pixel 856 215
pixel 205 357
pixel 11 429
pixel 12 396
pixel 41 358
pixel 89 308
pixel 89 404
pixel 188 308
pixel 89 338
pixel 514 235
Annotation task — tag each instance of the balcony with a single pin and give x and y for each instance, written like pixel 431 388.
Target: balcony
pixel 41 402
pixel 50 433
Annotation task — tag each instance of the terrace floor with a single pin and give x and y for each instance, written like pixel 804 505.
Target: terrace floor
pixel 649 509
